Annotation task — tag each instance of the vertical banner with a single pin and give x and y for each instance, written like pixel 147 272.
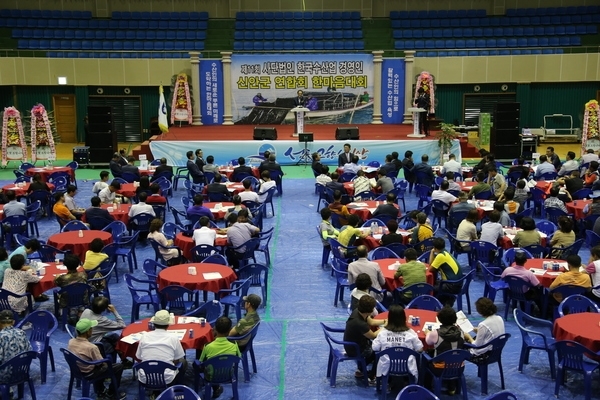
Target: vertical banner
pixel 337 88
pixel 211 92
pixel 392 91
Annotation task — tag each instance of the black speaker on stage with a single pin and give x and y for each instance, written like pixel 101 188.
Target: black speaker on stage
pixel 505 141
pixel 350 133
pixel 261 133
pixel 102 136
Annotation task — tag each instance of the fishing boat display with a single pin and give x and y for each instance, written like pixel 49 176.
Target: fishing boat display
pixel 327 104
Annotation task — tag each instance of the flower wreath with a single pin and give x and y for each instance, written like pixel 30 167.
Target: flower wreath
pixel 181 97
pixel 41 131
pixel 426 81
pixel 591 129
pixel 12 133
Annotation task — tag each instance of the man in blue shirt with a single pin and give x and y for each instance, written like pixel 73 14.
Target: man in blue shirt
pixel 544 167
pixel 198 210
pixel 423 171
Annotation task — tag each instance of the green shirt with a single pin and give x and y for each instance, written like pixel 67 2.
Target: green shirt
pixel 413 272
pixel 345 236
pixel 480 187
pixel 244 325
pixel 218 347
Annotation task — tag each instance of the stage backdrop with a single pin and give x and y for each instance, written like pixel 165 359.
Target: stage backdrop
pixel 338 88
pixel 289 152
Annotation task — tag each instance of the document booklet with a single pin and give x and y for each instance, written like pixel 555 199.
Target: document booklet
pixel 211 275
pixel 180 333
pixel 463 322
pixel 133 338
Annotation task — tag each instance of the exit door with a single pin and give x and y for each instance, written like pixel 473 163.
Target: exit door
pixel 65 116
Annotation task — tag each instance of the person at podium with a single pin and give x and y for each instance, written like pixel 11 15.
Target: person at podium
pixel 299 100
pixel 423 101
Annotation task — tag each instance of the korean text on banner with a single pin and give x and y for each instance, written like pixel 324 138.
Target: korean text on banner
pixel 211 92
pixel 392 91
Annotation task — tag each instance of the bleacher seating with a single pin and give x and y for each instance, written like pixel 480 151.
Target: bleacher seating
pixel 296 31
pixel 72 31
pixel 521 31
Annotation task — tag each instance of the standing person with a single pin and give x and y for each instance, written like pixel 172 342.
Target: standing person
pixel 159 345
pixel 299 100
pixel 13 341
pixel 358 330
pixel 488 329
pixel 218 347
pixel 199 159
pixel 345 157
pixel 407 165
pixel 397 334
pixel 423 101
pixel 195 172
pixel 397 163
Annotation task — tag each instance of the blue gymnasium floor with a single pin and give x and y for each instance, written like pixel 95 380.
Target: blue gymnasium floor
pixel 290 347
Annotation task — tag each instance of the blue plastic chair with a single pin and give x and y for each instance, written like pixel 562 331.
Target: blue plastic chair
pixel 117 229
pixel 74 226
pixel 155 376
pixel 416 290
pixel 264 238
pixel 561 253
pixel 11 226
pixel 425 302
pixel 465 282
pixel 337 354
pixel 547 227
pixel 553 214
pixel 5 305
pixel 77 296
pixel 592 239
pixel 19 366
pixel 399 359
pixel 504 395
pixel 508 257
pixel 494 355
pixel 146 295
pixel 76 374
pixel 259 277
pixel 536 250
pixel 248 349
pixel 173 298
pixel 493 283
pixel 202 251
pixel 43 324
pixel 178 392
pixel 234 296
pixel 482 251
pixel 571 357
pixel 215 259
pixel 416 392
pixel 140 223
pixel 423 192
pixel 223 369
pixel 516 295
pixel 381 253
pixel 577 304
pixel 397 248
pixel 33 211
pixel 211 310
pixel 454 367
pixel 340 269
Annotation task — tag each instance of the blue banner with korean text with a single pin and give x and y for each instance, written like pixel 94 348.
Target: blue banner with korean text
pixel 392 91
pixel 211 92
pixel 337 88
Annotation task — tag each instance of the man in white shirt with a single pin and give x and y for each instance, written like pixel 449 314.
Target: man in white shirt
pixel 324 178
pixel 589 156
pixel 159 345
pixel 569 165
pixel 492 231
pixel 266 185
pixel 141 207
pixel 108 194
pixel 353 166
pixel 451 165
pixel 443 194
pixel 70 202
pixel 248 194
pixel 204 235
pixel 363 265
pixel 101 184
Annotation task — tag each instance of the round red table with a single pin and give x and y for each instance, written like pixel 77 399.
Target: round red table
pixel 467 186
pixel 21 190
pixel 78 245
pixel 47 281
pixel 147 172
pixel 372 242
pixel 119 214
pixel 425 316
pixel 465 171
pixel 229 171
pixel 544 186
pixel 582 328
pixel 220 213
pixel 233 188
pixel 349 187
pixel 127 190
pixel 549 276
pixel 178 275
pixel 45 173
pixel 392 283
pixel 370 172
pixel 202 336
pixel 186 243
pixel 506 241
pixel 365 212
pixel 577 209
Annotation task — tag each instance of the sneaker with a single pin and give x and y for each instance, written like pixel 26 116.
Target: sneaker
pixel 42 297
pixel 127 364
pixel 358 374
pixel 119 396
pixel 217 392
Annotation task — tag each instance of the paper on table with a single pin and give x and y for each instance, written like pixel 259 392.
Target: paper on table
pixel 43 265
pixel 553 273
pixel 431 326
pixel 180 333
pixel 61 267
pixel 221 236
pixel 188 320
pixel 212 275
pixel 133 338
pixel 404 233
pixel 537 271
pixel 372 210
pixel 360 204
pixel 463 322
pixel 378 236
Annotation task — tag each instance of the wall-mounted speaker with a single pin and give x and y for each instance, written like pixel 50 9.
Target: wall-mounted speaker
pixel 350 133
pixel 262 133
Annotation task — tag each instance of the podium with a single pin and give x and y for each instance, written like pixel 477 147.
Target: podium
pixel 415 111
pixel 299 111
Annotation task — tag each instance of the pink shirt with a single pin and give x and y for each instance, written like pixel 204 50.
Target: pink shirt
pixel 521 272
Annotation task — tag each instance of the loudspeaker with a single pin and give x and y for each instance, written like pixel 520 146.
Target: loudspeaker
pixel 102 136
pixel 347 133
pixel 507 136
pixel 502 107
pixel 265 133
pixel 507 152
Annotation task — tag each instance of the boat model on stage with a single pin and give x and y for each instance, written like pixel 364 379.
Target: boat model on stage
pixel 322 105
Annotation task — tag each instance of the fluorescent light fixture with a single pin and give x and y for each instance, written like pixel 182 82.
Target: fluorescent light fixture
pixel 62 80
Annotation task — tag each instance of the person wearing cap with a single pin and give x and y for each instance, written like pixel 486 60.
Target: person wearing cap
pixel 251 303
pixel 16 279
pixel 12 341
pixel 88 351
pixel 159 345
pixel 220 346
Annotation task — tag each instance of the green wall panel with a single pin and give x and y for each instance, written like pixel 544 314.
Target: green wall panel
pixel 28 96
pixel 81 102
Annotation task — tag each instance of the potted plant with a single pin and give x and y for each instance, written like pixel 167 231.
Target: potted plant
pixel 445 137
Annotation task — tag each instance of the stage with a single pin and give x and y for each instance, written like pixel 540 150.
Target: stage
pixel 227 143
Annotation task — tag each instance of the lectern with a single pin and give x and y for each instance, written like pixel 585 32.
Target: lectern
pixel 299 111
pixel 415 111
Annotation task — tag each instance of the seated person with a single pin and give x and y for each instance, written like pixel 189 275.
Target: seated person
pixel 141 207
pixel 572 182
pixel 37 184
pixel 108 194
pixel 544 167
pixel 452 185
pixel 521 193
pixel 70 202
pixel 97 212
pixel 590 178
pixel 412 272
pixel 267 183
pixel 564 237
pixel 422 231
pixel 442 194
pixel 467 230
pixel 210 165
pixel 362 285
pixel 171 256
pixel 155 196
pixel 94 256
pixel 244 325
pixel 115 166
pixel 510 205
pixel 488 329
pixel 533 292
pixel 388 208
pixel 204 234
pixel 384 183
pixel 144 186
pixel 463 205
pixel 504 218
pixel 391 236
pixel 492 230
pixel 572 276
pixel 220 346
pixel 60 210
pixel 248 194
pixel 362 184
pixel 348 235
pixel 241 170
pixel 130 168
pixel 335 184
pixel 217 187
pixel 442 261
pixel 481 186
pixel 520 168
pixel 16 279
pixel 337 207
pixel 554 202
pixel 323 178
pixel 162 170
pixel 352 167
pixel 327 230
pixel 197 210
pixel 237 206
pixel 593 268
pixel 529 234
pixel 497 182
pixel 14 341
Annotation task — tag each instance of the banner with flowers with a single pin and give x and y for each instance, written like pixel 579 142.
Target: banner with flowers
pixel 42 138
pixel 14 146
pixel 181 106
pixel 591 128
pixel 426 81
